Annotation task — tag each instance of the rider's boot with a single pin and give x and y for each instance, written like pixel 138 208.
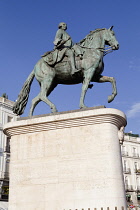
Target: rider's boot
pixel 74 69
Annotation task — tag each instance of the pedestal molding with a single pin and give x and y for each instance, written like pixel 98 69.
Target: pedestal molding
pixel 54 122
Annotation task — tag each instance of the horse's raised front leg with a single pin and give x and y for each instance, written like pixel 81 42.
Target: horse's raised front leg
pixel 114 88
pixel 87 79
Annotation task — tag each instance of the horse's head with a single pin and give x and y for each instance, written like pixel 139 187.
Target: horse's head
pixel 110 39
pixel 94 39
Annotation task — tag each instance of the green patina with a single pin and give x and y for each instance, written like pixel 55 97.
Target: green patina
pixel 70 64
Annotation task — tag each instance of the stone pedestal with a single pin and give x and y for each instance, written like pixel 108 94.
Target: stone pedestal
pixel 67 161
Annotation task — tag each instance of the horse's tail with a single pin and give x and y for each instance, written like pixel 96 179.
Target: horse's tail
pixel 23 96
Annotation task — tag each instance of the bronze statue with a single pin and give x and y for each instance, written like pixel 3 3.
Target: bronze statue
pixel 64 44
pixel 53 69
pixel 63 47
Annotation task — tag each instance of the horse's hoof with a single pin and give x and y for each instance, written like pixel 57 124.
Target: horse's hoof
pixel 110 99
pixel 83 107
pixel 30 115
pixel 54 110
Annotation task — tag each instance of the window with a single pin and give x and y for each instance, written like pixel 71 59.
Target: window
pixel 123 148
pixel 126 181
pixel 138 184
pixel 128 197
pixel 134 152
pixel 138 181
pixel 125 165
pixel 10 119
pixel 7 169
pixel 135 166
pixel 138 197
pixel 7 148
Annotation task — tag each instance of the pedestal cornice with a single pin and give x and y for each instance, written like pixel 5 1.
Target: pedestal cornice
pixel 66 120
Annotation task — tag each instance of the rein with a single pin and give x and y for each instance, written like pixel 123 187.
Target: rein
pixel 105 50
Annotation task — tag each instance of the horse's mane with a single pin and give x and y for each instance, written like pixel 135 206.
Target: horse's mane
pixel 89 37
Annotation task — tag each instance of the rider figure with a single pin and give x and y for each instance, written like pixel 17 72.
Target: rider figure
pixel 63 42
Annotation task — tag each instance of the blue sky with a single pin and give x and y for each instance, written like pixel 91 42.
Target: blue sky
pixel 27 31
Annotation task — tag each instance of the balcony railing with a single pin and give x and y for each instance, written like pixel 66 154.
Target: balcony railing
pixel 4 176
pixel 124 153
pixel 137 171
pixel 126 171
pixel 129 188
pixel 136 155
pixel 138 189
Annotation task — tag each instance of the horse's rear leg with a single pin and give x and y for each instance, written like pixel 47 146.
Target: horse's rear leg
pixel 46 88
pixel 35 101
pixel 112 80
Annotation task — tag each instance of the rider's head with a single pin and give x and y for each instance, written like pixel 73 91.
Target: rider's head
pixel 62 25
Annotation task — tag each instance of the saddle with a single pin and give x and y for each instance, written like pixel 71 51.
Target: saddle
pixel 50 57
pixel 55 56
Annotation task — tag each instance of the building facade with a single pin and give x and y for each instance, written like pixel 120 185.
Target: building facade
pixel 6 115
pixel 131 168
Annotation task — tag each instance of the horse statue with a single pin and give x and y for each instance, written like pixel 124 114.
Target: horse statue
pixel 92 66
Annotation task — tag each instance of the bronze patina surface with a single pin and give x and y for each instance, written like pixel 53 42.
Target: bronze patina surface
pixel 71 66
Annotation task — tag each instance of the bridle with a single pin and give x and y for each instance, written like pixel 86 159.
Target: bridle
pixel 105 50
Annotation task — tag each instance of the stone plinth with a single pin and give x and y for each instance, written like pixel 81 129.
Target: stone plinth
pixel 67 161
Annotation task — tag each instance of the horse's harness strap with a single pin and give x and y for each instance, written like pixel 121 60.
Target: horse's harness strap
pixel 106 50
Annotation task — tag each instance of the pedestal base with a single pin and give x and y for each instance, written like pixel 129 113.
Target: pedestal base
pixel 67 161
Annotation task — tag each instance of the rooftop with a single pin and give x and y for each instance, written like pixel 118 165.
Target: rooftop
pixel 6 101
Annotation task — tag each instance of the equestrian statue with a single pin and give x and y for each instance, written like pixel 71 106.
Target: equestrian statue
pixel 70 64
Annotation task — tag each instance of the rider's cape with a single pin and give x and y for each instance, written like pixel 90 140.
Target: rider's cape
pixel 55 56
